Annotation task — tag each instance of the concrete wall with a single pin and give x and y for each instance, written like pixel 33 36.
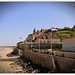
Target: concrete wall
pixel 42 59
pixel 67 54
pixel 24 46
pixel 47 46
pixel 66 64
pixel 42 46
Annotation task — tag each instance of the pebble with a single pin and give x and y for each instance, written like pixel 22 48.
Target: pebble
pixel 12 66
pixel 27 66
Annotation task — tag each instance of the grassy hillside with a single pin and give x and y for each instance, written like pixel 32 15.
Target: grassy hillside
pixel 63 33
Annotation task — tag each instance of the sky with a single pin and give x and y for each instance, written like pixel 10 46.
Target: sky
pixel 18 19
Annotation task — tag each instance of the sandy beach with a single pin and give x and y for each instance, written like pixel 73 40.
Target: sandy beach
pixel 4 51
pixel 8 66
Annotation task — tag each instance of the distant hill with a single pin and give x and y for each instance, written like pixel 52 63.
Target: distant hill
pixel 65 32
pixel 62 33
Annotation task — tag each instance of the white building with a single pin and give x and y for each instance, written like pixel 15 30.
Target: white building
pixel 68 44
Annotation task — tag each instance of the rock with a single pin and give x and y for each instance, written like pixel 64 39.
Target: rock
pixel 28 62
pixel 16 65
pixel 27 67
pixel 3 70
pixel 17 68
pixel 31 68
pixel 12 66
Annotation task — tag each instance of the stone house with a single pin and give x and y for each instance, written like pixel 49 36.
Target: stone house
pixel 46 38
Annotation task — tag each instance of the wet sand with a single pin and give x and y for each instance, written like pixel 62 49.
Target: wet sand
pixel 8 66
pixel 4 51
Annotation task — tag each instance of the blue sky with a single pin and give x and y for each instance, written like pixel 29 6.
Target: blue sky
pixel 18 19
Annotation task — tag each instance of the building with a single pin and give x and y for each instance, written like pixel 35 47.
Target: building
pixel 68 44
pixel 46 38
pixel 45 41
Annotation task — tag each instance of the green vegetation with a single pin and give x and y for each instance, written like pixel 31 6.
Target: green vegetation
pixel 34 30
pixel 44 30
pixel 65 32
pixel 19 42
pixel 74 26
pixel 30 34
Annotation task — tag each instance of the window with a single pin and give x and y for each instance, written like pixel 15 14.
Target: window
pixel 63 46
pixel 35 38
pixel 46 37
pixel 38 36
pixel 44 42
pixel 55 41
pixel 42 37
pixel 47 41
pixel 70 47
pixel 40 41
pixel 48 33
pixel 60 40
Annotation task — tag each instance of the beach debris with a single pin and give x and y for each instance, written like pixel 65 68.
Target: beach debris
pixel 35 71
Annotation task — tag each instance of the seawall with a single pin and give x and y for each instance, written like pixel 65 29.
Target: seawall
pixel 65 64
pixel 41 59
pixel 67 54
pixel 62 63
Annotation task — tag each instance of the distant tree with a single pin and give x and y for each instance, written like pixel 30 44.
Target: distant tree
pixel 41 30
pixel 47 31
pixel 34 30
pixel 37 31
pixel 66 28
pixel 74 26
